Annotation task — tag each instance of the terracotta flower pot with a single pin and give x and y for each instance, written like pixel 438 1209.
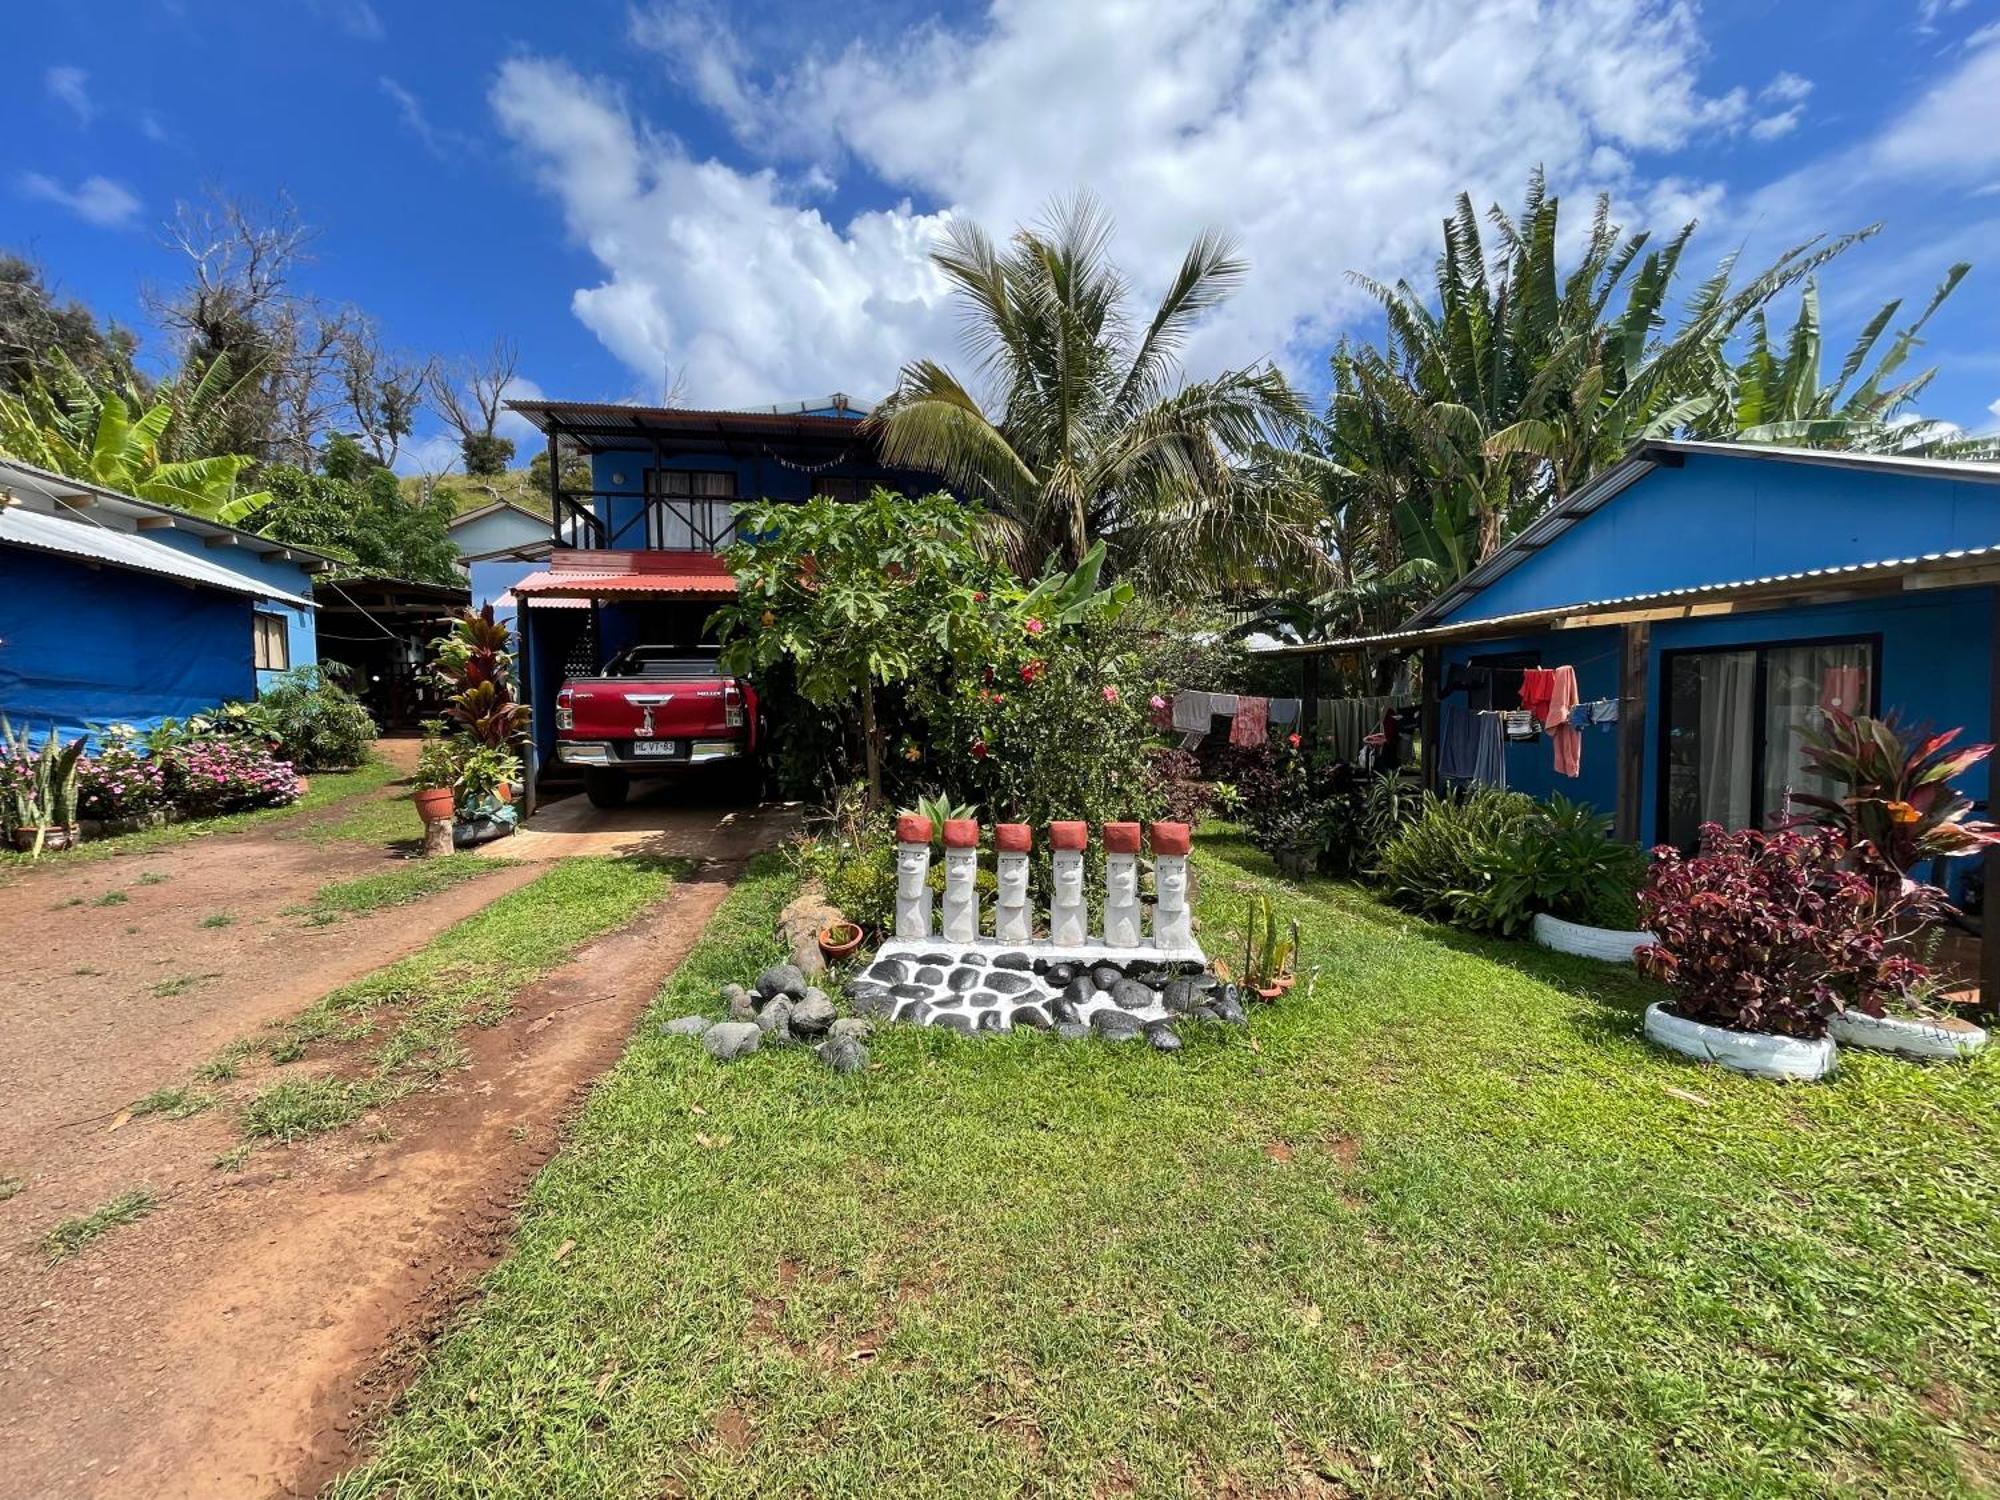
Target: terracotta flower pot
pixel 54 836
pixel 1270 992
pixel 833 946
pixel 504 791
pixel 434 804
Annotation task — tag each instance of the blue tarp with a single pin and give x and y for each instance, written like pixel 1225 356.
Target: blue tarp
pixel 84 646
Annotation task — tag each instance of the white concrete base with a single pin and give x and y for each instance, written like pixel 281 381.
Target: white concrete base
pixel 1039 991
pixel 1606 943
pixel 1754 1052
pixel 1907 1035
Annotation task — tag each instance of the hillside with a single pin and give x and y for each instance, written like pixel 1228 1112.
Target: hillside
pixel 470 494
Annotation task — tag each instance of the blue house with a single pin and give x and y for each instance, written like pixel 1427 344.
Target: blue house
pixel 633 560
pixel 117 610
pixel 499 545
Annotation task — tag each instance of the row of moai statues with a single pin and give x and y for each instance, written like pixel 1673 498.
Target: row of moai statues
pixel 1013 908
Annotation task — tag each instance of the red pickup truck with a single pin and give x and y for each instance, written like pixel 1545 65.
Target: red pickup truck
pixel 656 711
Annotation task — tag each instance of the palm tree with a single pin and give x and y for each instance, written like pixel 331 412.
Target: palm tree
pixel 62 422
pixel 1095 435
pixel 1775 395
pixel 1511 385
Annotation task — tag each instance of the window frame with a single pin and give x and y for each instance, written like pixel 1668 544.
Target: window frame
pixel 1760 651
pixel 658 501
pixel 263 620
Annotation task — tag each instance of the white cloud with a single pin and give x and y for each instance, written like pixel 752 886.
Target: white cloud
pixel 153 128
pixel 70 87
pixel 1774 127
pixel 357 18
pixel 1785 88
pixel 1327 138
pixel 96 200
pixel 410 109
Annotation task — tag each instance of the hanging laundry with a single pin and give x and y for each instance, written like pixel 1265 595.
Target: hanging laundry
pixel 1520 726
pixel 1489 767
pixel 1458 743
pixel 1253 717
pixel 1603 712
pixel 1538 685
pixel 1192 711
pixel 1566 738
pixel 1284 712
pixel 1223 703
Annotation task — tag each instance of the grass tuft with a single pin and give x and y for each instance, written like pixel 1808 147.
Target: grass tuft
pixel 174 1103
pixel 69 1237
pixel 111 898
pixel 409 882
pixel 218 919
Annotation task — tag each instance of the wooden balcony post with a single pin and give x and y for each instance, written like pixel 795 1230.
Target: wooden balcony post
pixel 1632 665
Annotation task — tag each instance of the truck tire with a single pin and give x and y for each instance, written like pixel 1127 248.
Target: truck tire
pixel 606 788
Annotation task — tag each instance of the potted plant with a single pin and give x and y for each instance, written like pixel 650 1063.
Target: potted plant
pixel 483 813
pixel 436 779
pixel 837 940
pixel 40 788
pixel 1268 951
pixel 1765 938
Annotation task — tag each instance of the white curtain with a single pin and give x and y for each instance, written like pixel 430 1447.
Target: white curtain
pixel 699 509
pixel 1724 752
pixel 1801 682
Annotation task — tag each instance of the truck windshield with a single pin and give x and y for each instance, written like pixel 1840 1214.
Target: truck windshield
pixel 664 662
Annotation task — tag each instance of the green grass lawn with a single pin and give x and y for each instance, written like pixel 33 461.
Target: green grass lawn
pixel 1440 1224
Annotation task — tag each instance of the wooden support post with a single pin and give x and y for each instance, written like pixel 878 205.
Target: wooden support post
pixel 1989 905
pixel 1428 720
pixel 1632 731
pixel 1309 698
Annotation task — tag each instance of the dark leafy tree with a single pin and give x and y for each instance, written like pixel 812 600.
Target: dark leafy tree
pixel 354 509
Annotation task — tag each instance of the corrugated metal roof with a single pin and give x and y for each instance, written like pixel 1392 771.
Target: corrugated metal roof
pixel 593 574
pixel 88 542
pixel 1646 457
pixel 1499 625
pixel 601 418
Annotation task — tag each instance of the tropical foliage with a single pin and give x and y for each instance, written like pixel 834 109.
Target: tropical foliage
pixel 1896 797
pixel 157 445
pixel 354 509
pixel 1094 435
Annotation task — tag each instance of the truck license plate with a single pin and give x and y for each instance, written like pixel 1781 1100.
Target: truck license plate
pixel 652 747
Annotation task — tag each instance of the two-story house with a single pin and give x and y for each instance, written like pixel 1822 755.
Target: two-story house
pixel 635 559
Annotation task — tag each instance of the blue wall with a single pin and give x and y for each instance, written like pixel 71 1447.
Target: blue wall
pixel 623 473
pixel 1531 766
pixel 1719 519
pixel 267 570
pixel 82 646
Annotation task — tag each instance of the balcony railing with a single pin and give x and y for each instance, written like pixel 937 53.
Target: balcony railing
pixel 673 522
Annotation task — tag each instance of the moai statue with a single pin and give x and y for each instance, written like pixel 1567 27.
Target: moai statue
pixel 1068 916
pixel 1121 885
pixel 1012 920
pixel 1172 927
pixel 913 875
pixel 961 880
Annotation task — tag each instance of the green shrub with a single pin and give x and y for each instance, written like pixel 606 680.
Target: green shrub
pixel 317 723
pixel 1439 863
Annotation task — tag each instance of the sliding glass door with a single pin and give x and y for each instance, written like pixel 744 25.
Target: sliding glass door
pixel 1734 727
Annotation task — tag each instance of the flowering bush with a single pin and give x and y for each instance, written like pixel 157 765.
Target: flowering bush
pixel 206 777
pixel 120 782
pixel 1778 932
pixel 1184 794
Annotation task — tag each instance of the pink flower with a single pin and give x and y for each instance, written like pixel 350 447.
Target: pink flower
pixel 1110 693
pixel 1034 626
pixel 1156 702
pixel 1033 670
pixel 1292 740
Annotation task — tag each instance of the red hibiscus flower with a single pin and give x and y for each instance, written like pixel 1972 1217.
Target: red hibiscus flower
pixel 1033 670
pixel 1292 740
pixel 979 749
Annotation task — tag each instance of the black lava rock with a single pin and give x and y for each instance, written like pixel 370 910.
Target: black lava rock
pixel 1072 1031
pixel 978 999
pixel 1230 1010
pixel 989 1020
pixel 910 991
pixel 929 974
pixel 1149 974
pixel 781 979
pixel 915 1012
pixel 934 958
pixel 875 1003
pixel 1163 1037
pixel 888 971
pixel 1129 994
pixel 1105 975
pixel 963 979
pixel 1180 997
pixel 1012 960
pixel 977 960
pixel 854 989
pixel 1061 973
pixel 1115 1023
pixel 1030 1015
pixel 955 1022
pixel 1062 1008
pixel 1008 983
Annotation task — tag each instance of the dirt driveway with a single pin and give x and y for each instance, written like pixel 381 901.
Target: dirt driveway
pixel 219 1346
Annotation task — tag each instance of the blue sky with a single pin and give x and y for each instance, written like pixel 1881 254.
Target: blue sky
pixel 744 196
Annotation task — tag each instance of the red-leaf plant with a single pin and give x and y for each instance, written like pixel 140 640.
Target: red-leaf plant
pixel 473 660
pixel 1778 932
pixel 1898 800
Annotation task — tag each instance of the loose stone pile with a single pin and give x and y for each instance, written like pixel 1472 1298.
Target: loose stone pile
pixel 781 1010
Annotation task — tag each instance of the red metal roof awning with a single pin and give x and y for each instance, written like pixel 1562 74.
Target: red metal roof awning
pixel 579 573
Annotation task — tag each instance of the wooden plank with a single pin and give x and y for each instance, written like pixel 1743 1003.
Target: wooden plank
pixel 1309 699
pixel 1632 730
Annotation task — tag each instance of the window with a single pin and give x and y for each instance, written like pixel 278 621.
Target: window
pixel 1735 722
pixel 273 647
pixel 690 509
pixel 847 488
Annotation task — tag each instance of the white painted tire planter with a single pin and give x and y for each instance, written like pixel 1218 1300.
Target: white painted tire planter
pixel 1606 943
pixel 1755 1052
pixel 1906 1035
